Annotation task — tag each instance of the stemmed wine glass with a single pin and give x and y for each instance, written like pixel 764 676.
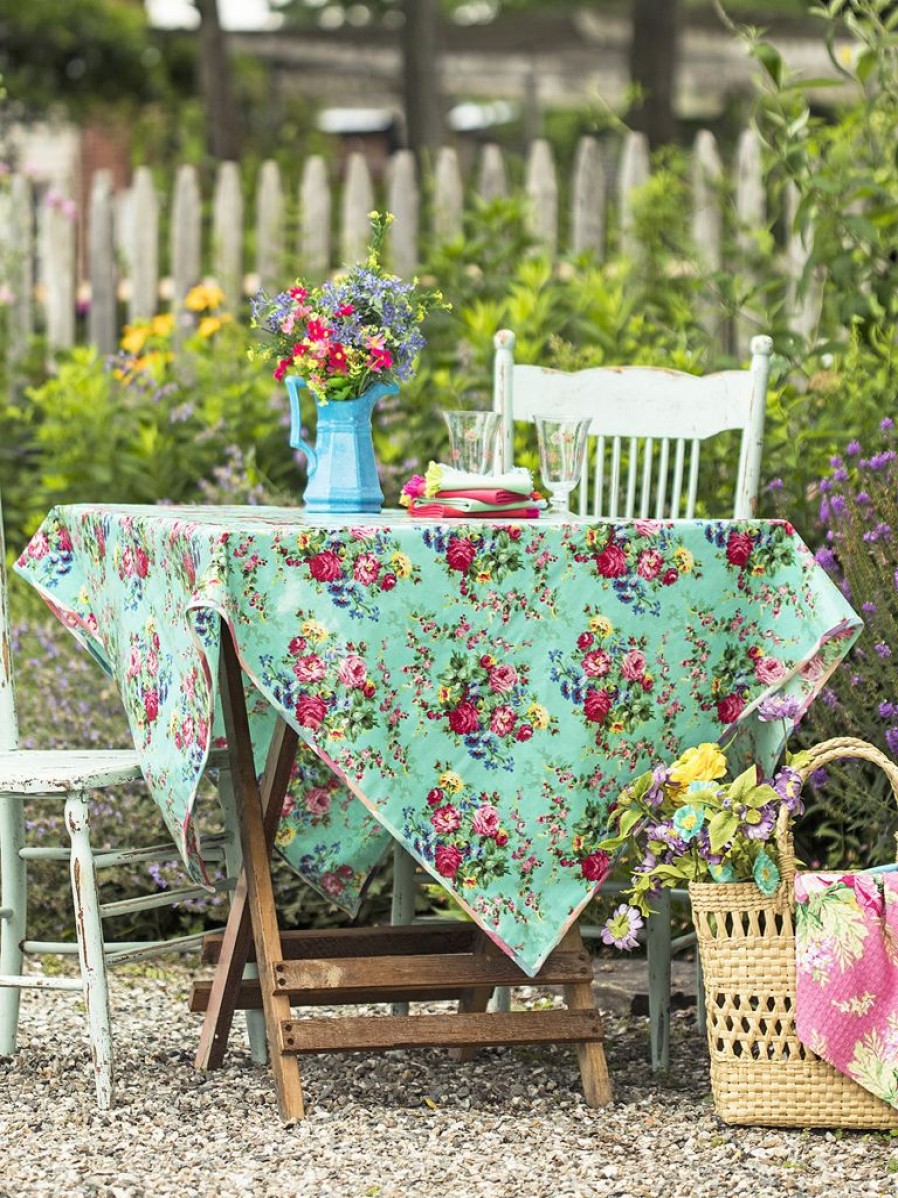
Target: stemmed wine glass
pixel 562 451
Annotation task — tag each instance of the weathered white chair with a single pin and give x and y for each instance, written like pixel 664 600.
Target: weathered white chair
pixel 72 777
pixel 648 428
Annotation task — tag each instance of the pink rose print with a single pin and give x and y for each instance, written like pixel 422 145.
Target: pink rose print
pixel 524 732
pixel 769 669
pixel 141 563
pixel 739 548
pixel 730 709
pixel 646 528
pixel 445 819
pixel 366 568
pixel 309 669
pixel 38 546
pixel 152 663
pixel 310 711
pixel 503 679
pixel 669 577
pixel 813 669
pixel 584 640
pixel 460 552
pixel 434 797
pixel 595 867
pixel 502 720
pixel 388 582
pixel 486 820
pixel 331 883
pixel 188 567
pixel 464 718
pixel 633 665
pixel 65 541
pixel 596 664
pixel 597 706
pixel 187 730
pixel 611 562
pixel 353 671
pixel 297 646
pixel 133 662
pixel 501 839
pixel 151 704
pixel 318 801
pixel 325 566
pixel 447 860
pixel 649 564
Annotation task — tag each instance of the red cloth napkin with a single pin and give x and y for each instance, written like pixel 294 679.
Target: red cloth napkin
pixel 493 495
pixel 432 510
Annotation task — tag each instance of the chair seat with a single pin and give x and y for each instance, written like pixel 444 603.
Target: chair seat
pixel 57 771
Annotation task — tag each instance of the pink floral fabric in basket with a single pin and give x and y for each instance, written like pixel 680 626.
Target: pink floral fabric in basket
pixel 846 953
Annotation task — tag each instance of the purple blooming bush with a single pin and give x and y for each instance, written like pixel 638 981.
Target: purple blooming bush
pixel 853 807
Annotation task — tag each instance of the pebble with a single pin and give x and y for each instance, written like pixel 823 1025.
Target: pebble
pixel 399 1125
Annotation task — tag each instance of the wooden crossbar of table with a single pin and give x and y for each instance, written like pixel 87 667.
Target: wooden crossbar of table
pixel 363 965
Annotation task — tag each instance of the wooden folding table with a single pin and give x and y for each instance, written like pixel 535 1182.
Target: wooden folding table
pixel 362 965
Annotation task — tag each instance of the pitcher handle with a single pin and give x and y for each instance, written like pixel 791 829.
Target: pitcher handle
pixel 294 386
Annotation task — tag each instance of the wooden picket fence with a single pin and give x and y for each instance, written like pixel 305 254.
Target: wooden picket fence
pixel 115 272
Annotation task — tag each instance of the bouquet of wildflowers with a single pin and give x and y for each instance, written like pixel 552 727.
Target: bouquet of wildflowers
pixel 685 823
pixel 358 329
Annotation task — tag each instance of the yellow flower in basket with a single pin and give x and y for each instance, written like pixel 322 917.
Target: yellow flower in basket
pixel 702 763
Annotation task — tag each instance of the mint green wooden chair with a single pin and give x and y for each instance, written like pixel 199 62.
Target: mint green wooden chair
pixel 648 427
pixel 72 778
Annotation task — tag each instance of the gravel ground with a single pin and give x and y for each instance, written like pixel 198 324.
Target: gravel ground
pixel 401 1125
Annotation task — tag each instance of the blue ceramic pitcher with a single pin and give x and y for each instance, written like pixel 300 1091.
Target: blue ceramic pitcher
pixel 342 471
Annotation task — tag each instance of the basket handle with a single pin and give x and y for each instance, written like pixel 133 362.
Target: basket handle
pixel 820 755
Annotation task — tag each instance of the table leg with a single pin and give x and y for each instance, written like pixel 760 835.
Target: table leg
pixel 578 996
pixel 253 916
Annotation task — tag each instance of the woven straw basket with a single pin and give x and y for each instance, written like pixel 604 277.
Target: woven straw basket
pixel 761 1074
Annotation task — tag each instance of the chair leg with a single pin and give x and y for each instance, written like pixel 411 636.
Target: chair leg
pixel 658 938
pixel 402 909
pixel 89 927
pixel 13 898
pixel 255 1020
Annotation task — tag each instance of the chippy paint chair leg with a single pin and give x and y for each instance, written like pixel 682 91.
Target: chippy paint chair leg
pixel 658 937
pixel 89 927
pixel 255 1020
pixel 12 915
pixel 402 909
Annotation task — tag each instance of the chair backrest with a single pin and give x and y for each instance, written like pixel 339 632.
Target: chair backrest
pixel 648 425
pixel 9 735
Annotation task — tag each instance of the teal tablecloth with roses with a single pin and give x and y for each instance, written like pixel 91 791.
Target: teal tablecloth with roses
pixel 484 689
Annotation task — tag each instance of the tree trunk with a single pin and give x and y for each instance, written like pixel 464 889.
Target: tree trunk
pixel 216 86
pixel 653 64
pixel 421 75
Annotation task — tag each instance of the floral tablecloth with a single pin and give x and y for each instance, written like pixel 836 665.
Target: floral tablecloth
pixel 484 689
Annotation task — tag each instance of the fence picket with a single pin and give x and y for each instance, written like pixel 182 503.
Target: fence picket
pixel 803 305
pixel 751 211
pixel 588 200
pixel 142 246
pixel 404 201
pixel 542 195
pixel 17 257
pixel 270 226
pixel 58 269
pixel 102 324
pixel 492 181
pixel 634 171
pixel 227 234
pixel 448 199
pixel 185 239
pixel 707 219
pixel 358 201
pixel 315 219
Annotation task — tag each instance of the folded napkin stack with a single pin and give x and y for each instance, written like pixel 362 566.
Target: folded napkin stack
pixel 449 494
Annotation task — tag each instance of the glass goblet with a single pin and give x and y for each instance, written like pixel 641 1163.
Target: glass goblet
pixel 562 452
pixel 472 439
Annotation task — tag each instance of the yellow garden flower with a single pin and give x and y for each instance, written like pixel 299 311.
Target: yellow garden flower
pixel 204 297
pixel 134 338
pixel 210 325
pixel 701 763
pixel 538 715
pixel 162 325
pixel 684 559
pixel 450 781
